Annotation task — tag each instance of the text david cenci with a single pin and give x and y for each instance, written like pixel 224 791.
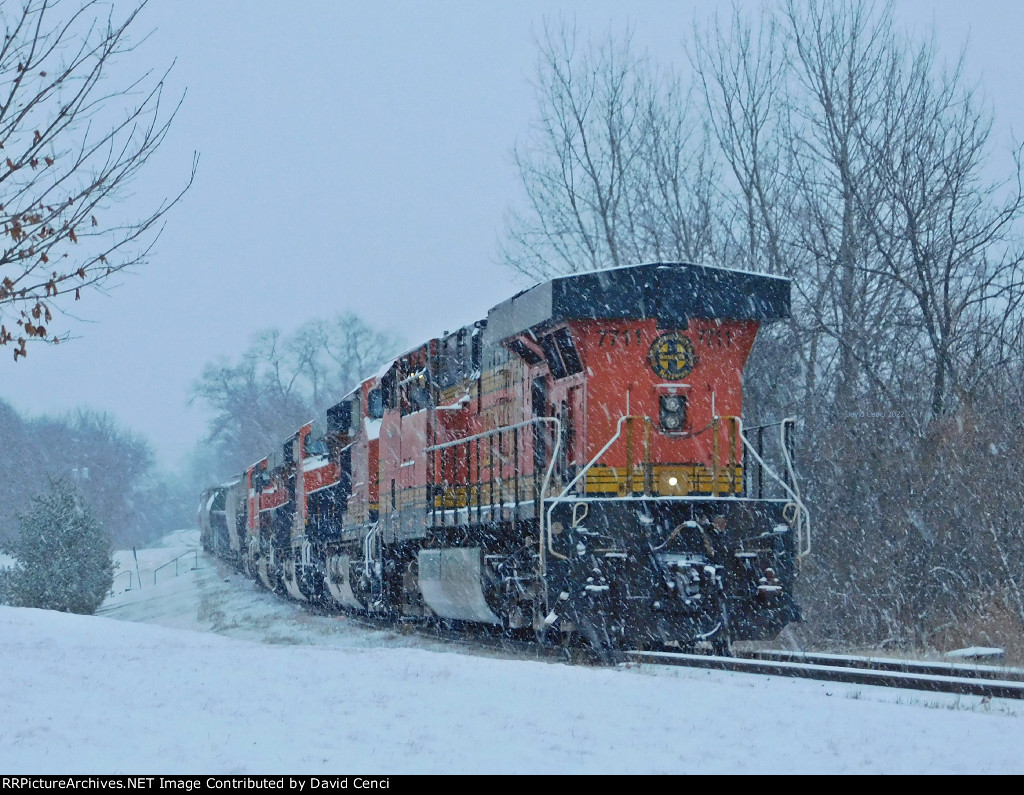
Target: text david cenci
pixel 189 783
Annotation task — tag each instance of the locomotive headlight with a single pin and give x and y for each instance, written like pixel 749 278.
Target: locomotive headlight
pixel 673 412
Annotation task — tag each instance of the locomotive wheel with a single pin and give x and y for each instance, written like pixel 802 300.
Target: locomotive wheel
pixel 541 630
pixel 594 628
pixel 721 643
pixel 720 638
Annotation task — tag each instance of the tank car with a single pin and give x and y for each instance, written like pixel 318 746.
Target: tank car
pixel 220 528
pixel 573 467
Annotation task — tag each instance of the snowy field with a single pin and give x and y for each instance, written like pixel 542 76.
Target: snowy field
pixel 204 673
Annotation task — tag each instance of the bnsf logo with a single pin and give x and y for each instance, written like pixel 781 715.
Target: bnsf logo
pixel 672 356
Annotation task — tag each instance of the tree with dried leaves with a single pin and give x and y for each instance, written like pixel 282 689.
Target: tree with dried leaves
pixel 72 138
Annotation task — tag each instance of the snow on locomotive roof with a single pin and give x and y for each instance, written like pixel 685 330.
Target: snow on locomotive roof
pixel 672 292
pixel 383 369
pixel 674 265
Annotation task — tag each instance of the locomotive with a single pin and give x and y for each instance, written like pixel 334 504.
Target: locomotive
pixel 572 469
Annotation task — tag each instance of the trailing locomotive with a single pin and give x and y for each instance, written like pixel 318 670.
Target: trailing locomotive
pixel 572 467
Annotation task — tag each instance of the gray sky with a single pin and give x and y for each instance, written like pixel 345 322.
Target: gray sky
pixel 355 156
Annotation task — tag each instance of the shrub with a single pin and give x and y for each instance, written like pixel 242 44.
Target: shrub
pixel 63 555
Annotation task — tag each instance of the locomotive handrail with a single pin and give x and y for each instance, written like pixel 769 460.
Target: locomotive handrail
pixel 492 432
pixel 801 518
pixel 370 547
pixel 547 475
pixel 799 505
pixel 175 562
pixel 573 482
pixel 769 424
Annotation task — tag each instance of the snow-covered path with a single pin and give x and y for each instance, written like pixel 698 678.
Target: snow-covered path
pixel 209 674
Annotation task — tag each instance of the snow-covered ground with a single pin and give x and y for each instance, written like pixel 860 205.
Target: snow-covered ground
pixel 206 673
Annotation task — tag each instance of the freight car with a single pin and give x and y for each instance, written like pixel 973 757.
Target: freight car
pixel 573 468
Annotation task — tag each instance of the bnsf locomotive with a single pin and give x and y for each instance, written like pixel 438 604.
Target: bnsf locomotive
pixel 574 467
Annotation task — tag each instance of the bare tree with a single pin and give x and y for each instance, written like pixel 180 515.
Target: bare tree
pixel 352 350
pixel 741 70
pixel 617 171
pixel 72 139
pixel 944 234
pixel 576 171
pixel 256 402
pixel 281 382
pixel 677 182
pixel 837 151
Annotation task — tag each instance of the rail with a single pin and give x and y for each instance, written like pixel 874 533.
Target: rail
pixel 849 674
pixel 922 667
pixel 982 681
pixel 175 562
pixel 121 574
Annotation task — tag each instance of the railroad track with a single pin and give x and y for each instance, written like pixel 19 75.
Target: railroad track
pixel 995 672
pixel 986 681
pixel 979 680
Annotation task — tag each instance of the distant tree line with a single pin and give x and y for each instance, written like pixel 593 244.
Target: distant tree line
pixel 817 141
pixel 112 468
pixel 279 383
pixel 79 485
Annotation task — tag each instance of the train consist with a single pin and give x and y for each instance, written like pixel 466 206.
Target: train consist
pixel 573 468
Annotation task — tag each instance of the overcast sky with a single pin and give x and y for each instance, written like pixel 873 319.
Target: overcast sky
pixel 355 156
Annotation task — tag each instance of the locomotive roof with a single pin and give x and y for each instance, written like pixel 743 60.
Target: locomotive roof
pixel 671 292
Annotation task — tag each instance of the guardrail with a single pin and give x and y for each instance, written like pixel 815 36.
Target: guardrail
pixel 195 565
